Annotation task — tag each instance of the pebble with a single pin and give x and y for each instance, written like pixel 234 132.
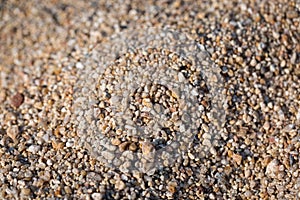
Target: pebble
pixel 120 185
pixel 123 146
pixel 17 100
pixel 292 14
pixel 266 126
pixel 115 141
pixel 25 192
pixel 13 132
pixel 97 196
pixel 33 149
pixel 132 147
pixel 206 142
pixel 147 148
pixel 108 155
pixel 272 168
pixel 172 187
pixel 191 156
pixel 69 143
pixel 79 65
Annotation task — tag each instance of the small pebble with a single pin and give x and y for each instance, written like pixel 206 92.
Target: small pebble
pixel 17 100
pixel 147 148
pixel 33 149
pixel 13 132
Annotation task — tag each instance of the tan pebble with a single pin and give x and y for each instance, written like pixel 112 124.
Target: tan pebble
pixel 119 131
pixel 213 151
pixel 239 59
pixel 230 73
pixel 80 155
pixel 247 141
pixel 292 14
pixel 57 192
pixel 172 187
pixel 13 132
pixel 123 146
pixel 25 191
pixel 39 182
pixel 205 128
pixel 67 190
pixel 105 128
pixel 101 104
pixel 266 125
pixel 10 116
pixel 136 174
pixel 272 168
pixel 115 141
pixel 120 185
pixel 231 122
pixel 246 118
pixel 147 102
pixel 57 132
pixel 2 96
pixel 189 172
pixel 200 15
pixel 237 158
pixel 206 142
pixel 147 148
pixel 83 173
pixel 247 173
pixel 248 53
pixel 266 161
pixel 269 18
pixel 191 156
pixel 57 145
pixel 132 147
pixel 252 184
pixel 227 169
pixel 229 153
pixel 175 94
pixel 172 109
pixel 38 105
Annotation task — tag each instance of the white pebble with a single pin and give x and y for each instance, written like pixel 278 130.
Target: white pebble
pixel 96 196
pixel 79 65
pixel 33 149
pixel 49 162
pixel 69 144
pixel 272 168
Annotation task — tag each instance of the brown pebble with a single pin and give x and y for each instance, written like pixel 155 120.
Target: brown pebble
pixel 17 100
pixel 132 147
pixel 67 190
pixel 25 192
pixel 57 145
pixel 123 146
pixel 227 169
pixel 58 193
pixel 237 158
pixel 172 187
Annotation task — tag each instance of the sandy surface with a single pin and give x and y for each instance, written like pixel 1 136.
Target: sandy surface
pixel 238 139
